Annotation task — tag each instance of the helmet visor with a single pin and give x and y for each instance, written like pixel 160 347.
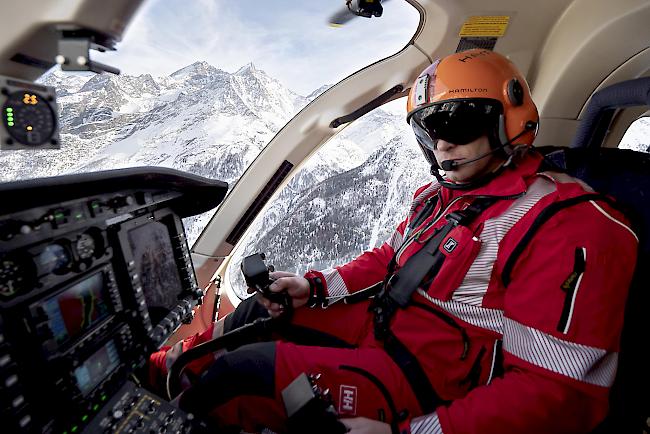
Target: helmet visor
pixel 457 122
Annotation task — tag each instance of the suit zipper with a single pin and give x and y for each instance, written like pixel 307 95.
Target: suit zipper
pixel 571 286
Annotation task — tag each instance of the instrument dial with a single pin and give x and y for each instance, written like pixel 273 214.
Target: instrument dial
pixel 85 246
pixel 16 275
pixel 29 118
pixel 55 258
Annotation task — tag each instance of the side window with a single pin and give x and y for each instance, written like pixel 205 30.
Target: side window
pixel 347 199
pixel 637 136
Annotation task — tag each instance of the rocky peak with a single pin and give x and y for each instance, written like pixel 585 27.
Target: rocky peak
pixel 249 68
pixel 99 82
pixel 201 68
pixel 318 91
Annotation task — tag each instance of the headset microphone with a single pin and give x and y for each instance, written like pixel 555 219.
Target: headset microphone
pixel 449 165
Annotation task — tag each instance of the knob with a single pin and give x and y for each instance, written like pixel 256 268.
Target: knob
pixel 121 201
pixel 188 317
pixel 8 229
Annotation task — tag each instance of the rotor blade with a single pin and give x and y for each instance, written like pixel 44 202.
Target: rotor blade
pixel 341 17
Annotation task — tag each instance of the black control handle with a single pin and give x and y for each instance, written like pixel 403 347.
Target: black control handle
pixel 256 275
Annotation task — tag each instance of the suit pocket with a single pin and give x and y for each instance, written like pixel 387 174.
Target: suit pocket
pixel 460 248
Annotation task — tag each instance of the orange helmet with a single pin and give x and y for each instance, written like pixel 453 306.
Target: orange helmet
pixel 474 83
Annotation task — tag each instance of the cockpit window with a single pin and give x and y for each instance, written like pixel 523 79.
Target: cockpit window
pixel 205 85
pixel 637 136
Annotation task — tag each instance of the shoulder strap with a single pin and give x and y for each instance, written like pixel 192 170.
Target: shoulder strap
pixel 426 262
pixel 423 213
pixel 399 286
pixel 542 218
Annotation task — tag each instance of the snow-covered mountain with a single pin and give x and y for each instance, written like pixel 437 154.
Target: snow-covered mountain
pixel 199 119
pixel 637 136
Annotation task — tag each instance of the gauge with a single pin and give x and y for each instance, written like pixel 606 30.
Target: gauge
pixel 85 246
pixel 16 275
pixel 55 258
pixel 29 118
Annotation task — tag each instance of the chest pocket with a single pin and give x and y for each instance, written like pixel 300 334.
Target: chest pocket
pixel 460 247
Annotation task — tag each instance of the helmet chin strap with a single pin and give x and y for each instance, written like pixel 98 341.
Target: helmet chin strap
pixel 503 143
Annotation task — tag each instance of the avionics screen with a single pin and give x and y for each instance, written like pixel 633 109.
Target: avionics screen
pixel 97 367
pixel 154 257
pixel 78 308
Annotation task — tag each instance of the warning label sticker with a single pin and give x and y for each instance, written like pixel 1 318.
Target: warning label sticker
pixel 481 26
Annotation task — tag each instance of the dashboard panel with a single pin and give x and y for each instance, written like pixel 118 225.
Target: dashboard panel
pixel 95 275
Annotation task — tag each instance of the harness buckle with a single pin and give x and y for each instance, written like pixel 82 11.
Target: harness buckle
pixel 383 308
pixel 456 218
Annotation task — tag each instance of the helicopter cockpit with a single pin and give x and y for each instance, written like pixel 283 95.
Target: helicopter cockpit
pixel 137 172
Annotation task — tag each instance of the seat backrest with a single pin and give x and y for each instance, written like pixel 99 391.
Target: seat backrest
pixel 625 175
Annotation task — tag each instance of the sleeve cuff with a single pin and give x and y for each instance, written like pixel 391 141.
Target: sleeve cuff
pixel 317 288
pixel 329 282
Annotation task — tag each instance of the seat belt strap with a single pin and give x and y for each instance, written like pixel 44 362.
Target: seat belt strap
pixel 415 375
pixel 424 264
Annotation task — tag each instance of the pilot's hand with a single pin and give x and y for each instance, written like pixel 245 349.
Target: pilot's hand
pixel 362 425
pixel 296 286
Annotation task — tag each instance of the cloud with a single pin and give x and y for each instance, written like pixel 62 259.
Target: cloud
pixel 289 40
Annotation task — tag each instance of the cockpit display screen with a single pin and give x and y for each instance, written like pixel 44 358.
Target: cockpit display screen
pixel 78 308
pixel 153 254
pixel 97 367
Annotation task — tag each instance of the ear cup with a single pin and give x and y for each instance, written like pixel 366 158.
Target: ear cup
pixel 515 92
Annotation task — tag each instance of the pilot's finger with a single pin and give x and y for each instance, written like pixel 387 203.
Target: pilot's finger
pixel 276 310
pixel 281 284
pixel 263 301
pixel 250 290
pixel 277 274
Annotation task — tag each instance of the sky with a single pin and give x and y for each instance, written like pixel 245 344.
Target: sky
pixel 290 40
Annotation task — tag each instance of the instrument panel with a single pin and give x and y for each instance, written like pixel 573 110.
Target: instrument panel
pixel 95 275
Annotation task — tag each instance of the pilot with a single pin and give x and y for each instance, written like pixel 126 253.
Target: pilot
pixel 497 302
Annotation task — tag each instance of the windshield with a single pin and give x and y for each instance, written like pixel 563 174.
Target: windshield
pixel 205 86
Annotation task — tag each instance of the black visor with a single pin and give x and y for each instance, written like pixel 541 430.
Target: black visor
pixel 457 122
